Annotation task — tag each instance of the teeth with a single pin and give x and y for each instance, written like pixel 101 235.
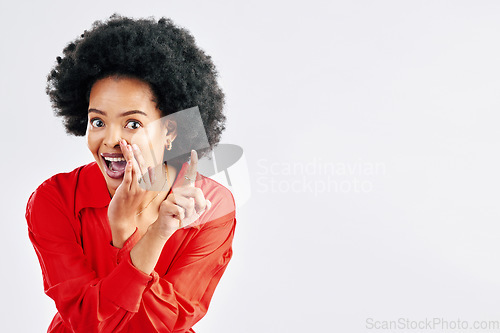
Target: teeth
pixel 114 159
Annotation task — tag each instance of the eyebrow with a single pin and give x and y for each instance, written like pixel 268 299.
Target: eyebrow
pixel 124 114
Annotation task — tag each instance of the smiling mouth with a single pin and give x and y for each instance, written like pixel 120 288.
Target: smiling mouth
pixel 114 165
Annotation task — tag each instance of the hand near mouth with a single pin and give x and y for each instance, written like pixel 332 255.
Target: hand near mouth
pixel 122 210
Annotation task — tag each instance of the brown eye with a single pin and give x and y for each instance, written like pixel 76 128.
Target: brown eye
pixel 97 122
pixel 133 124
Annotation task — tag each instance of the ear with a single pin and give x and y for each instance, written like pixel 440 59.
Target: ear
pixel 171 126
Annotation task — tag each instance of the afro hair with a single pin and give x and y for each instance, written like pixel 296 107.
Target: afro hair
pixel 160 53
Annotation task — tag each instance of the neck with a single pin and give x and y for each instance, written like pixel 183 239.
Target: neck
pixel 165 177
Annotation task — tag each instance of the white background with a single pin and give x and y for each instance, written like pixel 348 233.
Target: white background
pixel 410 88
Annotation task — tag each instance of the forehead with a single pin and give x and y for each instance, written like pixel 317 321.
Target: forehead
pixel 116 95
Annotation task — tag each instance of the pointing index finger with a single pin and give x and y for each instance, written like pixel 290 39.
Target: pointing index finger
pixel 190 176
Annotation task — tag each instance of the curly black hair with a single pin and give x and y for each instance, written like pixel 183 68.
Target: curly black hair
pixel 160 53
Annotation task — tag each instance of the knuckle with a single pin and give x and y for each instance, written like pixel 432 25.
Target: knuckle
pixel 180 212
pixel 172 198
pixel 203 204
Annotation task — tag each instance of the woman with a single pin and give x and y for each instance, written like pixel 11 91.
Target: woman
pixel 128 243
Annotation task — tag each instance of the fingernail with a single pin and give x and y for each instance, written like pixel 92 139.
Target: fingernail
pixel 136 147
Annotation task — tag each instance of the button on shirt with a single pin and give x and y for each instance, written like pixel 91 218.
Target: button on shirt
pixel 95 286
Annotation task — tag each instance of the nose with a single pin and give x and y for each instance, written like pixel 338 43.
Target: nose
pixel 113 136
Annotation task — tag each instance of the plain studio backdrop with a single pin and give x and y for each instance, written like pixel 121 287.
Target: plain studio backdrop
pixel 370 131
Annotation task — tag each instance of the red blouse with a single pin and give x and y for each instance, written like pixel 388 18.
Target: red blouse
pixel 95 286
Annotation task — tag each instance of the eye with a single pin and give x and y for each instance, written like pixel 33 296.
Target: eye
pixel 133 124
pixel 96 122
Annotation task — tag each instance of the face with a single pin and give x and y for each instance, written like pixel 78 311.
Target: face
pixel 124 108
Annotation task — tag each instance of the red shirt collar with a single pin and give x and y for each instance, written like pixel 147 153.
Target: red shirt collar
pixel 91 188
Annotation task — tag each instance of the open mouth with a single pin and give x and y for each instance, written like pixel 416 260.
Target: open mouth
pixel 114 165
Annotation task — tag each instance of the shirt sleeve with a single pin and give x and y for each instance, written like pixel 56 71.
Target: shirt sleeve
pixel 176 301
pixel 85 302
pixel 173 302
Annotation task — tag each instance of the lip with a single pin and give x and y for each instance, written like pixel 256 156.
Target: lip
pixel 114 155
pixel 110 173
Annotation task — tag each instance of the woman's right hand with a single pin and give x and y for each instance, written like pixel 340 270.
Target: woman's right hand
pixel 128 196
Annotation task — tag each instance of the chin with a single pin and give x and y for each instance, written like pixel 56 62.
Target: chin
pixel 111 182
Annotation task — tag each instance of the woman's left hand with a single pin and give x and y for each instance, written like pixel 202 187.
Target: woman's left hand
pixel 183 207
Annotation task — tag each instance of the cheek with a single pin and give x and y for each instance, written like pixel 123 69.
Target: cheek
pixel 159 144
pixel 92 142
pixel 152 145
pixel 152 150
pixel 148 151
